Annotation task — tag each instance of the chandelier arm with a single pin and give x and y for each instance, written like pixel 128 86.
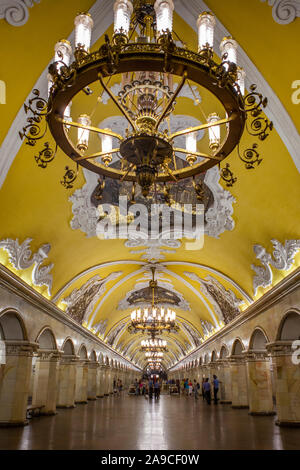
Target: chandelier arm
pixel 98 154
pixel 171 101
pixel 90 128
pixel 115 100
pixel 170 172
pixel 197 154
pixel 127 172
pixel 203 126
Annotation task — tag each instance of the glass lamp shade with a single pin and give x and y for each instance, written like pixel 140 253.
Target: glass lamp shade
pixel 206 26
pixel 241 76
pixel 83 134
pixel 229 46
pixel 63 52
pixel 214 132
pixel 122 14
pixel 83 31
pixel 106 143
pixel 191 142
pixel 50 83
pixel 164 16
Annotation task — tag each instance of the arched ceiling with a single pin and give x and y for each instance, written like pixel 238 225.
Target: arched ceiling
pixel 97 280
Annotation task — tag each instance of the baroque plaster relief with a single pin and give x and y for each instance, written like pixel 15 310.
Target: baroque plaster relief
pixel 16 12
pixel 284 11
pixel 21 257
pixel 282 258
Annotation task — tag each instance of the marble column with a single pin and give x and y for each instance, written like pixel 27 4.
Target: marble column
pixel 81 388
pixel 102 383
pixel 239 386
pixel 259 383
pixel 225 381
pixel 67 382
pixel 106 380
pixel 92 380
pixel 46 380
pixel 287 383
pixel 15 382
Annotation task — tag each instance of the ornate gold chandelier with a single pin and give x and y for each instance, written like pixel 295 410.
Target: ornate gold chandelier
pixel 152 319
pixel 153 70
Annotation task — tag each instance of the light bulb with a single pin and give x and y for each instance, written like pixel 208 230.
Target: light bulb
pixel 191 142
pixel 122 13
pixel 83 134
pixel 83 31
pixel 164 16
pixel 214 132
pixel 106 142
pixel 206 25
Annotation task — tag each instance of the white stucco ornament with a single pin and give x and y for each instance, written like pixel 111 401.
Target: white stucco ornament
pixel 21 257
pixel 282 258
pixel 16 12
pixel 284 11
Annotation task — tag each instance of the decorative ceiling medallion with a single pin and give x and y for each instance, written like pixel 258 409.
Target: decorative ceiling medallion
pixel 16 12
pixel 20 256
pixel 284 11
pixel 225 302
pixel 283 259
pixel 81 302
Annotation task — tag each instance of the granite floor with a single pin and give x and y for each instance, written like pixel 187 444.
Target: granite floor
pixel 134 423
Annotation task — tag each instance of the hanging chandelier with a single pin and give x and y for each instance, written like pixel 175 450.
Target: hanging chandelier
pixel 153 69
pixel 154 345
pixel 154 354
pixel 153 319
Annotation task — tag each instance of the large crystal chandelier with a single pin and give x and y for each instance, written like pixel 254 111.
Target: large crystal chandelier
pixel 153 319
pixel 154 355
pixel 153 70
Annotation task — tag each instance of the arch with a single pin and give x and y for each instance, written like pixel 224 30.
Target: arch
pixel 68 347
pixel 214 356
pixel 82 353
pixel 200 361
pixel 46 339
pixel 289 328
pixel 224 352
pixel 237 348
pixel 93 356
pixel 205 359
pixel 100 358
pixel 12 326
pixel 258 340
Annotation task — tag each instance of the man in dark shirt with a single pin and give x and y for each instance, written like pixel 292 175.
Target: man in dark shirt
pixel 216 389
pixel 206 388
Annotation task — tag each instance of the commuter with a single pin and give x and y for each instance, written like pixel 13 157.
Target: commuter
pixel 216 389
pixel 207 391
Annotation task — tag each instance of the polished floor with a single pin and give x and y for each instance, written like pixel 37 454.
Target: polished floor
pixel 134 423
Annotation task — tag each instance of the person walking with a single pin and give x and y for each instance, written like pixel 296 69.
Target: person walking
pixel 150 389
pixel 196 388
pixel 156 390
pixel 216 389
pixel 202 387
pixel 190 388
pixel 207 391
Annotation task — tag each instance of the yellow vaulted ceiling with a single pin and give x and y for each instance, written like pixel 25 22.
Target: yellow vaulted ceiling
pixel 34 204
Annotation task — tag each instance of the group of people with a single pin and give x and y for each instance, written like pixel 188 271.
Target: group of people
pixel 190 388
pixel 118 387
pixel 148 388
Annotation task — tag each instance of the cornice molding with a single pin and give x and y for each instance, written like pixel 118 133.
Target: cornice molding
pixel 17 286
pixel 284 11
pixel 16 12
pixel 274 295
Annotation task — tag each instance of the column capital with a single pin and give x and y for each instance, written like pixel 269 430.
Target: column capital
pixel 20 348
pixel 280 348
pixel 256 355
pixel 48 355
